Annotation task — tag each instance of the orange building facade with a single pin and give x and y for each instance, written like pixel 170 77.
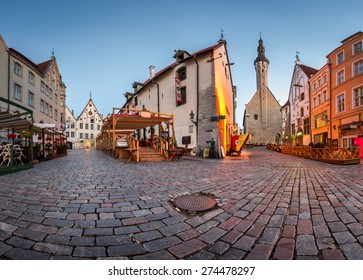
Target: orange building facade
pixel 345 65
pixel 321 129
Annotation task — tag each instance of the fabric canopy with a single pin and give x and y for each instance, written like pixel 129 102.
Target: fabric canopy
pixel 44 125
pixel 132 122
pixel 16 121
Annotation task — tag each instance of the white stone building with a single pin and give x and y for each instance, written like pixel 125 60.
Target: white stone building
pixel 37 87
pixel 198 89
pixel 82 131
pixel 285 124
pixel 262 116
pixel 300 103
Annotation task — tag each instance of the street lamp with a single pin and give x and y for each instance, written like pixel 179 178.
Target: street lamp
pixel 191 115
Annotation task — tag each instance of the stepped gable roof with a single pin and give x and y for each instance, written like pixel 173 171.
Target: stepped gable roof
pixel 309 71
pixel 86 106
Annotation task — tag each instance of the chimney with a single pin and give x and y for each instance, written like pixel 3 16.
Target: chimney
pixel 152 71
pixel 73 113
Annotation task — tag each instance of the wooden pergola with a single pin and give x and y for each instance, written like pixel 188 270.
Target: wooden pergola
pixel 123 122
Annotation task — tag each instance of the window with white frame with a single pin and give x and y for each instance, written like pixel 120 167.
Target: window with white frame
pixel 31 99
pixel 340 77
pixel 358 97
pixel 357 48
pixel 340 57
pixel 358 67
pixel 51 111
pixel 340 103
pixel 42 86
pixel 72 134
pixel 56 114
pixel 17 91
pixel 46 108
pixel 18 70
pixel 42 106
pixel 31 78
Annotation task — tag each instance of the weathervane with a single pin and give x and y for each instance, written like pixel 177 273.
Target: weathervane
pixel 297 56
pixel 222 36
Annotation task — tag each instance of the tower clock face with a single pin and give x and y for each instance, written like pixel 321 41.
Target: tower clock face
pixel 90 113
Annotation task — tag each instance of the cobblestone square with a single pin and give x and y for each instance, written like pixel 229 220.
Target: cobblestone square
pixel 88 205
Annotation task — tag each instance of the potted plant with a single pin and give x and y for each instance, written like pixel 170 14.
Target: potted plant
pixel 11 136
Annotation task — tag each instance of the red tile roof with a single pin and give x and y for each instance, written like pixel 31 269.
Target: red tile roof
pixel 171 66
pixel 309 71
pixel 40 68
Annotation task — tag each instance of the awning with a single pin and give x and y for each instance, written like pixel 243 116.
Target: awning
pixel 351 125
pixel 46 127
pixel 16 121
pixel 133 122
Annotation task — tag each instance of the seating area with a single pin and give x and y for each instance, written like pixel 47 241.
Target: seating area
pixel 8 149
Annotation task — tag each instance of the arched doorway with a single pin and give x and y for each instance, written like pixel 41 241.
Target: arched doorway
pixel 299 137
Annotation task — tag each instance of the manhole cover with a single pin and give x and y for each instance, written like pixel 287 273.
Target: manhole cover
pixel 194 203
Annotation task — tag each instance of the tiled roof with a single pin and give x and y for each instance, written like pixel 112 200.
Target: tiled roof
pixel 309 71
pixel 171 66
pixel 42 67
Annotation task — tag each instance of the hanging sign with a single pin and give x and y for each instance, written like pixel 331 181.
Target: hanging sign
pixel 178 95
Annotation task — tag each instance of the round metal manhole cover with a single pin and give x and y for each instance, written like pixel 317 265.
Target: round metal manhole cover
pixel 194 203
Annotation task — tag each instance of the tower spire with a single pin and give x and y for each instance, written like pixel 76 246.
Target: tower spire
pixel 261 51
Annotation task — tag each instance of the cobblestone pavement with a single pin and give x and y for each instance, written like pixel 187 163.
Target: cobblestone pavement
pixel 275 206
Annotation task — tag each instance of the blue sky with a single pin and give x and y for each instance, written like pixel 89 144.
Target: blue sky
pixel 104 46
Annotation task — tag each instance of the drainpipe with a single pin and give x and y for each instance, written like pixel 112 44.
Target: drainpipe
pixel 152 74
pixel 330 105
pixel 197 111
pixel 310 132
pixel 8 80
